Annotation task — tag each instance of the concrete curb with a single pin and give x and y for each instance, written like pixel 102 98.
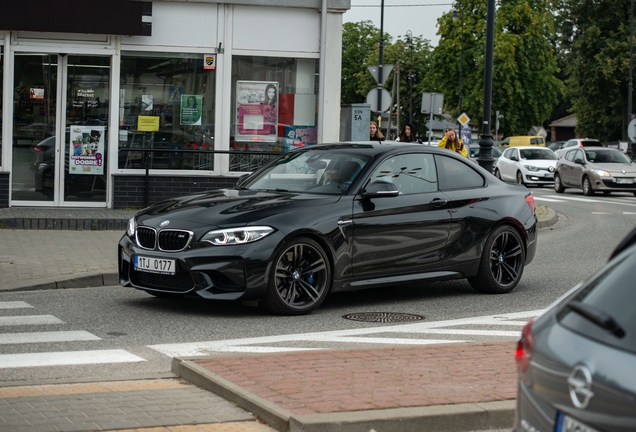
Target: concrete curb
pixel 549 220
pixel 449 418
pixel 84 281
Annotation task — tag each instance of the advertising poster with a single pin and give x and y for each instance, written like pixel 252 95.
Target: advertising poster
pixel 256 110
pixel 300 136
pixel 191 108
pixel 86 152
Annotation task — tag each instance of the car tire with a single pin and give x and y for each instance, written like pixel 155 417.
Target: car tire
pixel 502 262
pixel 299 280
pixel 558 186
pixel 519 177
pixel 497 174
pixel 587 187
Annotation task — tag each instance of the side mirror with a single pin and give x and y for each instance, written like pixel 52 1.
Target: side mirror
pixel 242 179
pixel 379 189
pixel 579 161
pixel 514 158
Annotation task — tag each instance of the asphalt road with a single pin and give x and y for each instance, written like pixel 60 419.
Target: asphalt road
pixel 125 320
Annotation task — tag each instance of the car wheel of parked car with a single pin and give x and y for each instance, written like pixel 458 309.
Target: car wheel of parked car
pixel 587 187
pixel 299 280
pixel 519 177
pixel 558 186
pixel 502 262
pixel 497 174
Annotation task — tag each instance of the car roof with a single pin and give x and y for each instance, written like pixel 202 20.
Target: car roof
pixel 530 148
pixel 374 147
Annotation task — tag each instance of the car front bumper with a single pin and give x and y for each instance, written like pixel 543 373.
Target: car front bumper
pixel 214 272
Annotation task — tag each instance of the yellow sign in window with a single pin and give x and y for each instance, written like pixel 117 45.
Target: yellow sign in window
pixel 148 123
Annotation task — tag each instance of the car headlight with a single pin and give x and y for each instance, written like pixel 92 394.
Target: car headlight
pixel 531 168
pixel 601 173
pixel 132 227
pixel 235 236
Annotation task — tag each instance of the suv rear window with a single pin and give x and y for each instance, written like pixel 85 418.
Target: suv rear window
pixel 611 293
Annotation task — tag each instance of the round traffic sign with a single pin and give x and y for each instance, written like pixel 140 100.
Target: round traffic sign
pixel 372 99
pixel 631 130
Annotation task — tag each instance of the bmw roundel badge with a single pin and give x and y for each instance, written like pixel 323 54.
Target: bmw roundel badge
pixel 164 223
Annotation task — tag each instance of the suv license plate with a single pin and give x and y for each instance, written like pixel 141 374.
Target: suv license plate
pixel 625 181
pixel 155 265
pixel 565 423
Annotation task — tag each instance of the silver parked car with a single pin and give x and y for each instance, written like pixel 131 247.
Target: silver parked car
pixel 576 361
pixel 595 169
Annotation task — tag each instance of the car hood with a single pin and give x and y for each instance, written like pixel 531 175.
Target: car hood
pixel 228 207
pixel 616 168
pixel 540 163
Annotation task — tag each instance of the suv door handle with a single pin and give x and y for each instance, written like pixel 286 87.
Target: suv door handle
pixel 438 202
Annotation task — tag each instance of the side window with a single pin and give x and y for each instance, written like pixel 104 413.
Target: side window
pixel 570 156
pixel 515 153
pixel 410 173
pixel 454 174
pixel 508 153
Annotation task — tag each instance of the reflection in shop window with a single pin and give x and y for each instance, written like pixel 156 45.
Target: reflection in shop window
pixel 274 108
pixel 166 103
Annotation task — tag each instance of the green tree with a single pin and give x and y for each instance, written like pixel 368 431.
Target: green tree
pixel 525 87
pixel 595 39
pixel 360 49
pixel 359 40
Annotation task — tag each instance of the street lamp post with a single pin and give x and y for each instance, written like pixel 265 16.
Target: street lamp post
pixel 409 42
pixel 485 139
pixel 461 57
pixel 629 87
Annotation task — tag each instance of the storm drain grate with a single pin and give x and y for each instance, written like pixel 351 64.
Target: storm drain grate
pixel 382 317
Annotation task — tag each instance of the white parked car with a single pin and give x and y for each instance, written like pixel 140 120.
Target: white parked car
pixel 527 165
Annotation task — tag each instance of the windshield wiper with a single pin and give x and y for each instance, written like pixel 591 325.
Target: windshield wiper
pixel 600 318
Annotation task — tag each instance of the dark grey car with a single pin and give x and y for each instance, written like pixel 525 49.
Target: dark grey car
pixel 576 361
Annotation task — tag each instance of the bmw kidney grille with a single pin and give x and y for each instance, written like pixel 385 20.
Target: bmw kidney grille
pixel 168 240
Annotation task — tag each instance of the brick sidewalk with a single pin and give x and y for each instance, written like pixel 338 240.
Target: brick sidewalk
pixel 354 380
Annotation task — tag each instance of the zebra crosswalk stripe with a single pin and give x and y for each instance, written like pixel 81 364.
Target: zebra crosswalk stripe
pixel 44 337
pixel 67 358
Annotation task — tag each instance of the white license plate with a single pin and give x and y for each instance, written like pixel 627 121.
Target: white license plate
pixel 155 265
pixel 625 181
pixel 565 423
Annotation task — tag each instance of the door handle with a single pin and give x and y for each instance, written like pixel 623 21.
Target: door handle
pixel 438 202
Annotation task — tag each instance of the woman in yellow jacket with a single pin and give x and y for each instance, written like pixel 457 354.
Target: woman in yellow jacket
pixel 452 143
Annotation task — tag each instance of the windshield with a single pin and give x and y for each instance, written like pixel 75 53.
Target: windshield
pixel 330 171
pixel 609 295
pixel 606 156
pixel 535 154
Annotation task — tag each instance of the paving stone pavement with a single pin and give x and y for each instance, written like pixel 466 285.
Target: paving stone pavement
pixel 167 404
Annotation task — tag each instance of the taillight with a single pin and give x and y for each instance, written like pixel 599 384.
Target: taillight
pixel 525 347
pixel 530 201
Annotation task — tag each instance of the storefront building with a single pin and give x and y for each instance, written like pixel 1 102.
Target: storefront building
pixel 131 102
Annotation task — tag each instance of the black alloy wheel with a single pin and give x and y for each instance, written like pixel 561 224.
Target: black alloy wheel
pixel 558 186
pixel 502 262
pixel 587 187
pixel 497 174
pixel 300 279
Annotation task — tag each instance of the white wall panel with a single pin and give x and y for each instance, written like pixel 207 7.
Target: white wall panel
pixel 276 29
pixel 180 24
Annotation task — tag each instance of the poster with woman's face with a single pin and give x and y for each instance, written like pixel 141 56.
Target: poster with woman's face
pixel 191 107
pixel 256 111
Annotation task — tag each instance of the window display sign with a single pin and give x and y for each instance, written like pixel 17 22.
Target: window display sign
pixel 86 150
pixel 209 61
pixel 148 123
pixel 191 107
pixel 256 110
pixel 300 136
pixel 36 93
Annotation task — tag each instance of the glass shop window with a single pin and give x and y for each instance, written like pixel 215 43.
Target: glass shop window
pixel 166 104
pixel 274 106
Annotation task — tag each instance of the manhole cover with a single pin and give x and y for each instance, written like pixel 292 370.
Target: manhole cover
pixel 382 317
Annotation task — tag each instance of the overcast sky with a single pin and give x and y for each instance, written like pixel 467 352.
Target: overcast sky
pixel 419 16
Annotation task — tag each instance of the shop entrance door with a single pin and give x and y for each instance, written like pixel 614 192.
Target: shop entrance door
pixel 61 106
